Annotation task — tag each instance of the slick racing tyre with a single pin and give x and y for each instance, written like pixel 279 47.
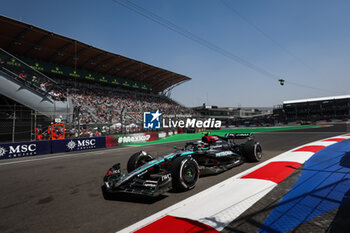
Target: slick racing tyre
pixel 252 151
pixel 137 160
pixel 184 173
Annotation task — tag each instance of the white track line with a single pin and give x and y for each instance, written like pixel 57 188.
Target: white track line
pixel 93 152
pixel 62 156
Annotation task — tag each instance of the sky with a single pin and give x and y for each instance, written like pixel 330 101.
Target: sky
pixel 306 43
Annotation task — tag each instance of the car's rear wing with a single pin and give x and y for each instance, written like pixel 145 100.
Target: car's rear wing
pixel 238 135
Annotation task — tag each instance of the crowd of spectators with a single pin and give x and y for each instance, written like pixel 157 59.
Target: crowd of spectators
pixel 98 109
pixel 31 78
pixel 115 108
pixel 42 84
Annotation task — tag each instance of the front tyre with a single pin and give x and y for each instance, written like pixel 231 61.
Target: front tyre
pixel 184 173
pixel 137 160
pixel 252 151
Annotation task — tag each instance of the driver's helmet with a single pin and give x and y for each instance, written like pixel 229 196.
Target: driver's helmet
pixel 199 145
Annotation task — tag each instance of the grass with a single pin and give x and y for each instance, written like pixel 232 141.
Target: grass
pixel 185 137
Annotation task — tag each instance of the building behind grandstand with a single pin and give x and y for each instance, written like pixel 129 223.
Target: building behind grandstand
pixel 237 116
pixel 314 109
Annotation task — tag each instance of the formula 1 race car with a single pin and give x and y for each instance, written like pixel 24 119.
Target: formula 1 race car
pixel 181 169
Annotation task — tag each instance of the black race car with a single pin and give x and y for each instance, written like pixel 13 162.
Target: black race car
pixel 181 169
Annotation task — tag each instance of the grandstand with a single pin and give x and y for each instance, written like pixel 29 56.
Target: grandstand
pixel 55 79
pixel 315 109
pixel 237 116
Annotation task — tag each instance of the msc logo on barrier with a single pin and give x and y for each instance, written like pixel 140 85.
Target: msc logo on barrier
pixel 2 151
pixel 151 120
pixel 71 145
pixel 22 148
pixel 19 150
pixel 82 144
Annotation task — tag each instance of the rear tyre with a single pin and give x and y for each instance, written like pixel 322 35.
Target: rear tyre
pixel 184 173
pixel 137 160
pixel 252 151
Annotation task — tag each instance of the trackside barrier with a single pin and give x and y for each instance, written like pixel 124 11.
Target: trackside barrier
pixel 142 137
pixel 111 141
pixel 136 138
pixel 76 144
pixel 24 149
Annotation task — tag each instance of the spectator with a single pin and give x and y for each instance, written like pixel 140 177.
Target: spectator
pixel 43 86
pixel 22 75
pixel 35 81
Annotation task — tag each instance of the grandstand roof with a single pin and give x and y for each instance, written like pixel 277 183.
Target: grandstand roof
pixel 26 40
pixel 317 99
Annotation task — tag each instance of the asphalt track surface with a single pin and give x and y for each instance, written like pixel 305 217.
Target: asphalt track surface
pixel 62 192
